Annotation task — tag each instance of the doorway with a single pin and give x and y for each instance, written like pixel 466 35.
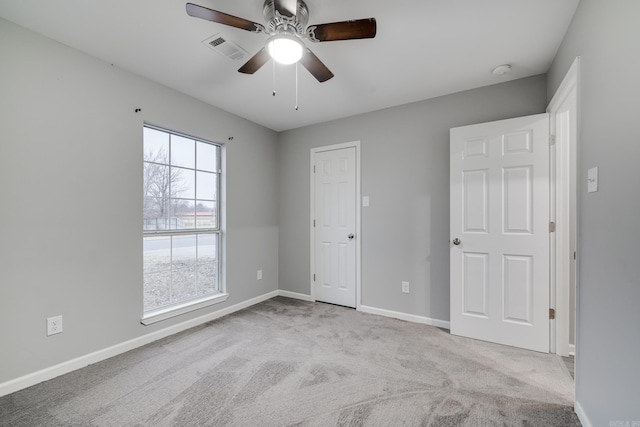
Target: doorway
pixel 563 286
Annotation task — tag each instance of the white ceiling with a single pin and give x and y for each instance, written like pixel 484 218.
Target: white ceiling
pixel 423 49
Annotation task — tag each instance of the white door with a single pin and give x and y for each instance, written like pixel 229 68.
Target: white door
pixel 499 189
pixel 335 226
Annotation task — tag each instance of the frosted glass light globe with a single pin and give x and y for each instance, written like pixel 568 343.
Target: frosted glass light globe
pixel 285 49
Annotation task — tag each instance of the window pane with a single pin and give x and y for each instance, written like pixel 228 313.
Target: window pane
pixel 155 180
pixel 206 214
pixel 207 157
pixel 155 146
pixel 183 284
pixel 156 192
pixel 183 271
pixel 157 254
pixel 154 214
pixel 207 277
pixel 183 152
pixel 157 290
pixel 206 185
pixel 182 214
pixel 183 250
pixel 183 183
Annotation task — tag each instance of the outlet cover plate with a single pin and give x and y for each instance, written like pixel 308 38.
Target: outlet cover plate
pixel 54 325
pixel 405 287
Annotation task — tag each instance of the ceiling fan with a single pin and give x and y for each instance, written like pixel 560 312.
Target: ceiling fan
pixel 287 27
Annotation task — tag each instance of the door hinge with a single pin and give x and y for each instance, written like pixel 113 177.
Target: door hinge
pixel 552 313
pixel 314 223
pixel 314 277
pixel 314 168
pixel 552 227
pixel 552 140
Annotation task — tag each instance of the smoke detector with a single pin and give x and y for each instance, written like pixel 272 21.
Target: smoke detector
pixel 502 69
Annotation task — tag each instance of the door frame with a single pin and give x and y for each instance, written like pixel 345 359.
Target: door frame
pixel 564 212
pixel 358 270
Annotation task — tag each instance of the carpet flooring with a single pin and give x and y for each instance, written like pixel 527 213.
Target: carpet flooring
pixel 286 362
pixel 569 362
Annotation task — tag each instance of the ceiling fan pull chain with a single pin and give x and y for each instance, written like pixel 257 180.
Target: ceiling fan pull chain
pixel 274 77
pixel 296 86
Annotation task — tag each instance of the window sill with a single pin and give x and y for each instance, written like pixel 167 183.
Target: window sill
pixel 176 310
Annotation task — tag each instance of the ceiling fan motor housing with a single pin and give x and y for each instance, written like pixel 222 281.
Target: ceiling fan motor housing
pixel 278 23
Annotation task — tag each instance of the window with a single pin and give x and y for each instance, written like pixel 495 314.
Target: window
pixel 180 221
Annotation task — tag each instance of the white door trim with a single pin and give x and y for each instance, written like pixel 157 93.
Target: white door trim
pixel 565 187
pixel 356 145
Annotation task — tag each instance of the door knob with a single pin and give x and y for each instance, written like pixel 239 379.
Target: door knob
pixel 456 241
pixel 351 236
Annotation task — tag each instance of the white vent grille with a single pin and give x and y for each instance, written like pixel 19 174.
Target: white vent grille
pixel 226 47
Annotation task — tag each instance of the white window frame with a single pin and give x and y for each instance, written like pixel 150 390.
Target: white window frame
pixel 176 309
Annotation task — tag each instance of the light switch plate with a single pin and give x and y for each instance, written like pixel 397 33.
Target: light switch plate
pixel 592 180
pixel 365 201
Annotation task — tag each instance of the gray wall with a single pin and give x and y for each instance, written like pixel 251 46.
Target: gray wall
pixel 606 35
pixel 71 199
pixel 405 172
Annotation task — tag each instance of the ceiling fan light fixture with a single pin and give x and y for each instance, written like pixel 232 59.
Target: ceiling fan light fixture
pixel 285 49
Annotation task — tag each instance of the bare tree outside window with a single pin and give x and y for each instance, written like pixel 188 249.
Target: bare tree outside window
pixel 162 185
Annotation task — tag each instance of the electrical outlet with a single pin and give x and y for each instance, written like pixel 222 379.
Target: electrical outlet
pixel 259 275
pixel 54 325
pixel 405 287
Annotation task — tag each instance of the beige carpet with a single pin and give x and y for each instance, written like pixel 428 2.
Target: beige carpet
pixel 285 362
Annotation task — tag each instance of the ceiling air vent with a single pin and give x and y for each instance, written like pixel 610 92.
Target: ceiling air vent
pixel 225 47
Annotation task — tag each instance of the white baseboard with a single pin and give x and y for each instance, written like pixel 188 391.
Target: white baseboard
pixel 572 349
pixel 295 295
pixel 404 316
pixel 88 359
pixel 581 415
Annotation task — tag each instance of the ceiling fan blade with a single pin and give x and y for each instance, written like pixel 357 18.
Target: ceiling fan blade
pixel 286 7
pixel 256 62
pixel 221 17
pixel 346 30
pixel 317 69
